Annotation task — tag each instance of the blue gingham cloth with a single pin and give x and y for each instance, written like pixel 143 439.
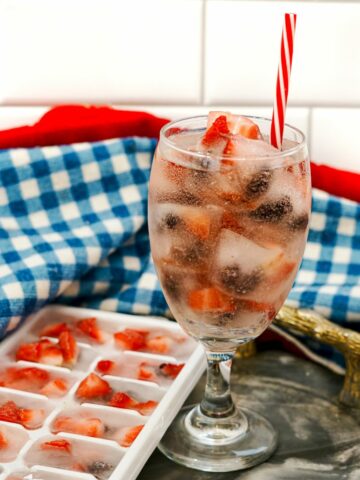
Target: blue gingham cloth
pixel 73 226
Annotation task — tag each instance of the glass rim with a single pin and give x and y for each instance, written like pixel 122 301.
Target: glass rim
pixel 280 154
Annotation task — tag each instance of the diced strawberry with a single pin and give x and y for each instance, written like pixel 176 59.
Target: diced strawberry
pixel 90 427
pixel 128 435
pixel 280 271
pixel 27 378
pixel 10 412
pixel 54 330
pixel 3 441
pixel 159 344
pixel 170 369
pixel 230 222
pixel 254 306
pixel 69 348
pixel 51 355
pixel 210 300
pixel 129 339
pixel 93 387
pixel 31 418
pixel 216 132
pixel 244 126
pixel 29 352
pixel 90 328
pixel 55 388
pixel 146 372
pixel 198 223
pixel 57 445
pixel 105 366
pixel 123 400
pixel 146 408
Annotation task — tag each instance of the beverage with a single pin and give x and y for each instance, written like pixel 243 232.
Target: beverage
pixel 228 221
pixel 228 227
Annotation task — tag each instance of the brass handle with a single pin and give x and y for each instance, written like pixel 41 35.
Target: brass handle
pixel 345 340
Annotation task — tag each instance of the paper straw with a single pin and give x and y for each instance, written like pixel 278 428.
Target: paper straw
pixel 283 80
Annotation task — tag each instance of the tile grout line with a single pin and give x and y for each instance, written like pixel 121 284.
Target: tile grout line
pixel 203 52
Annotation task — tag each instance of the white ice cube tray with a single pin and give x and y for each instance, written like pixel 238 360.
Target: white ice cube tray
pixel 127 462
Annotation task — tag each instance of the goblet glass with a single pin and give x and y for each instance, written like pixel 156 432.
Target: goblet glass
pixel 227 234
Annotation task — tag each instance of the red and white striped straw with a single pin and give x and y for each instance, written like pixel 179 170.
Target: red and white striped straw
pixel 283 80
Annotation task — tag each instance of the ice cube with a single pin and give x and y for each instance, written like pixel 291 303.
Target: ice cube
pixel 12 439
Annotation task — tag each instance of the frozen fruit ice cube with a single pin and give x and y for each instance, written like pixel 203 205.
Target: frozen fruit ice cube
pixel 210 299
pixel 90 328
pixel 57 387
pixel 237 124
pixel 29 418
pixel 30 379
pixel 105 367
pixel 69 348
pixel 159 344
pixel 93 387
pixel 170 369
pixel 54 330
pixel 147 372
pixel 130 339
pixel 81 425
pixel 123 400
pixel 127 435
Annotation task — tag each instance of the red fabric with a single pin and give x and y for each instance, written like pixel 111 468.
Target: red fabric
pixel 76 123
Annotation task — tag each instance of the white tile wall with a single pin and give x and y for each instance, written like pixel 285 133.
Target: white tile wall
pixel 100 51
pixel 183 57
pixel 243 47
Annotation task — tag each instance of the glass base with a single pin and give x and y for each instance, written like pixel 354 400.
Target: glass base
pixel 251 447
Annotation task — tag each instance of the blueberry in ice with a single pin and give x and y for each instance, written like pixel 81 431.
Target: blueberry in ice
pixel 171 283
pixel 97 468
pixel 236 281
pixel 190 254
pixel 259 184
pixel 299 222
pixel 188 198
pixel 273 212
pixel 171 221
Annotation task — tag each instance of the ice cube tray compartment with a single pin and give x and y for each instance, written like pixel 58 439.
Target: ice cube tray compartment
pixel 126 461
pixel 12 439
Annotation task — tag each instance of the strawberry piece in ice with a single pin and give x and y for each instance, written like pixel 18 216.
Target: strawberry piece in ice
pixel 159 344
pixel 146 372
pixel 69 348
pixel 237 125
pixel 93 387
pixel 89 327
pixel 126 436
pixel 146 408
pixel 50 354
pixel 10 412
pixel 30 379
pixel 198 222
pixel 129 339
pixel 170 369
pixel 57 445
pixel 210 300
pixel 90 427
pixel 55 388
pixel 215 132
pixel 3 441
pixel 123 400
pixel 105 366
pixel 29 352
pixel 54 330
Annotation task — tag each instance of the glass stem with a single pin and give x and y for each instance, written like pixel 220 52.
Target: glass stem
pixel 217 401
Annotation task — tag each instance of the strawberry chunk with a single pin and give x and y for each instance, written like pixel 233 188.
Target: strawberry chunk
pixel 105 366
pixel 170 369
pixel 93 387
pixel 50 354
pixel 146 408
pixel 129 339
pixel 129 434
pixel 122 400
pixel 159 344
pixel 216 132
pixel 55 388
pixel 57 445
pixel 29 352
pixel 198 223
pixel 146 372
pixel 210 300
pixel 54 330
pixel 244 126
pixel 10 412
pixel 68 347
pixel 89 327
pixel 28 378
pixel 3 441
pixel 90 427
